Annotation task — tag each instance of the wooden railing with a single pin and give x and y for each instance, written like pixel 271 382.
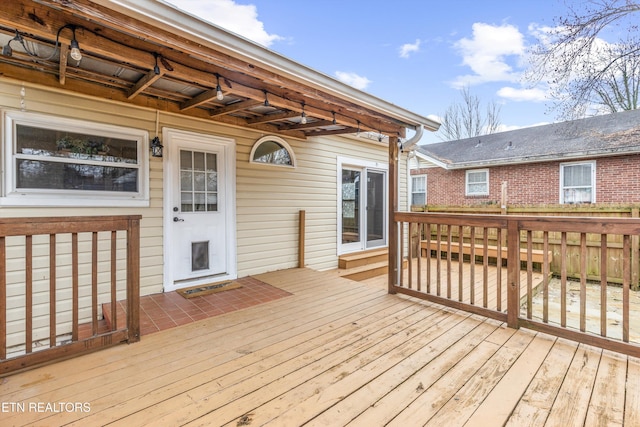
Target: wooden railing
pixel 55 274
pixel 453 262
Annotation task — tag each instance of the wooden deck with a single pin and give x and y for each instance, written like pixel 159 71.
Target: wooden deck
pixel 335 352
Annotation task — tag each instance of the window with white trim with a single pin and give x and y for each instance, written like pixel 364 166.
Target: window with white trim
pixel 577 182
pixel 418 190
pixel 272 150
pixel 477 182
pixel 57 161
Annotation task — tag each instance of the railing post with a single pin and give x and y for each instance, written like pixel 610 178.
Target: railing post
pixel 513 275
pixel 394 239
pixel 301 237
pixel 133 280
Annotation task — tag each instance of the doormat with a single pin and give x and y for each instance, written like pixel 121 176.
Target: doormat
pixel 198 291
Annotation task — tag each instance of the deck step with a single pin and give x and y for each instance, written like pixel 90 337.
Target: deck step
pixel 358 259
pixel 363 272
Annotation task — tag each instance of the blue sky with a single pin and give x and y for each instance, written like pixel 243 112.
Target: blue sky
pixel 417 54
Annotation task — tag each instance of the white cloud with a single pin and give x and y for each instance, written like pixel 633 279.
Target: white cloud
pixel 487 54
pixel 409 48
pixel 353 79
pixel 240 19
pixel 515 94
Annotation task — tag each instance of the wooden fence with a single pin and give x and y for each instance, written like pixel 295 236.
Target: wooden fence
pixel 496 292
pixel 571 260
pixel 55 274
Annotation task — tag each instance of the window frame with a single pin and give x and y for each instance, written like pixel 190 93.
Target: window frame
pixel 592 164
pixel 14 196
pixel 413 191
pixel 279 141
pixel 466 182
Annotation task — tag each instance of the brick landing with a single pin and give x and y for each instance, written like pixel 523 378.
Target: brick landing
pixel 167 310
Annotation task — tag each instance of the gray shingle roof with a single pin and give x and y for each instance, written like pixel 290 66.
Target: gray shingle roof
pixel 611 134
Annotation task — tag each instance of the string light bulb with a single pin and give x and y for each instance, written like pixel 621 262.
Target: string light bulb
pixel 75 47
pixel 219 94
pixel 334 117
pixel 303 116
pixel 266 99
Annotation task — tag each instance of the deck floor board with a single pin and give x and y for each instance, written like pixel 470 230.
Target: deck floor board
pixel 336 352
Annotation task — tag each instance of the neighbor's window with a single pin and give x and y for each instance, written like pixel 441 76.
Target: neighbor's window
pixel 577 182
pixel 477 182
pixel 419 190
pixel 272 150
pixel 56 161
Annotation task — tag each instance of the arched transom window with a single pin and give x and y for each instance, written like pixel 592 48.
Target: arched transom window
pixel 272 150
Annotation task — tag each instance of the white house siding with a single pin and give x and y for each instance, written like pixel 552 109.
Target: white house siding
pixel 268 199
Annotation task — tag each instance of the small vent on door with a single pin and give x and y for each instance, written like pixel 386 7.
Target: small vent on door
pixel 199 256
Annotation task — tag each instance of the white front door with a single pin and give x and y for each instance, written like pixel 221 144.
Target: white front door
pixel 198 246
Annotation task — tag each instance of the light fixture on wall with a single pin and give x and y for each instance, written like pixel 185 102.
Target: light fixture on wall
pixel 303 116
pixel 219 94
pixel 156 147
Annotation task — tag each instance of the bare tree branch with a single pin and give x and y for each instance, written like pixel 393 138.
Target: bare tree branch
pixel 584 72
pixel 465 120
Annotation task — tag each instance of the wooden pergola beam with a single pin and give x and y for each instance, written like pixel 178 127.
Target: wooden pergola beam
pixel 147 80
pixel 236 106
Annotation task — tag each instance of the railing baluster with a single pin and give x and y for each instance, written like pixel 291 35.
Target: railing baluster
pixel 114 290
pixel 603 285
pixel 29 293
pixel 401 245
pixel 460 263
pixel 583 282
pixel 499 269
pixel 472 262
pixel 563 280
pixel 449 261
pixel 485 267
pixel 419 255
pixel 75 286
pixel 410 255
pixel 626 283
pixel 438 258
pixel 52 291
pixel 545 279
pixel 529 274
pixel 428 233
pixel 94 283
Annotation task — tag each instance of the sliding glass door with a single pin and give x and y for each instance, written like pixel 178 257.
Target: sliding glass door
pixel 363 213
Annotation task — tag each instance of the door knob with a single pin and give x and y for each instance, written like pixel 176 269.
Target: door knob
pixel 176 219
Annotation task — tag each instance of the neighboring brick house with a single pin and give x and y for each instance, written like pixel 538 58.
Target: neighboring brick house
pixel 593 160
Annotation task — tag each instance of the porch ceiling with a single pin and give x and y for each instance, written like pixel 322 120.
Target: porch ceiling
pixel 130 57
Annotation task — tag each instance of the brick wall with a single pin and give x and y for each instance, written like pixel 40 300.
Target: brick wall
pixel 617 181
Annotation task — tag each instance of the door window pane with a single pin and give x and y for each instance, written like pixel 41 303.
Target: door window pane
pixel 350 206
pixel 198 181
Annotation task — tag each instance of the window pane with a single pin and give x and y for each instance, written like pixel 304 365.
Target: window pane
pixel 474 177
pixel 186 180
pixel 199 181
pixel 419 184
pixel 212 181
pixel 36 174
pixel 212 164
pixel 55 143
pixel 185 160
pixel 418 199
pixel 199 256
pixel 212 202
pixel 198 161
pixel 577 175
pixel 199 202
pixel 186 204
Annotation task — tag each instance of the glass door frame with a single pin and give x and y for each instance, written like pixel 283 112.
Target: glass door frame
pixel 364 168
